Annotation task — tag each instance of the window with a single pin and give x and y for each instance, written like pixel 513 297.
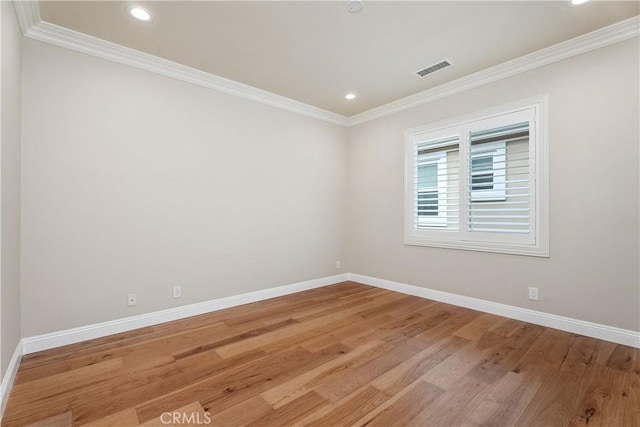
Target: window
pixel 488 172
pixel 431 192
pixel 480 183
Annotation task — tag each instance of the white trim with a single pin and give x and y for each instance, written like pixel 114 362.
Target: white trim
pixel 28 14
pixel 9 376
pixel 70 39
pixel 70 336
pixel 33 27
pixel 602 37
pixel 589 329
pixel 83 333
pixel 535 244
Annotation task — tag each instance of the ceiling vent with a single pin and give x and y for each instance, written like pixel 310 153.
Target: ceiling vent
pixel 432 69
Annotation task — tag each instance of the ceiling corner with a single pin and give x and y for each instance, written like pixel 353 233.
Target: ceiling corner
pixel 28 13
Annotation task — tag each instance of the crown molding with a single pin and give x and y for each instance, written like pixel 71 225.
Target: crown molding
pixel 606 36
pixel 28 13
pixel 33 27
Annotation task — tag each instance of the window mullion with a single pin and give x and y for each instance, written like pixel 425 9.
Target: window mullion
pixel 463 198
pixel 490 188
pixel 533 173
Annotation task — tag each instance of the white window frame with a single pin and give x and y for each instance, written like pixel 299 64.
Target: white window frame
pixel 534 243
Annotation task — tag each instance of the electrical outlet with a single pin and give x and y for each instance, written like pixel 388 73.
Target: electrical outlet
pixel 177 293
pixel 533 293
pixel 338 264
pixel 131 300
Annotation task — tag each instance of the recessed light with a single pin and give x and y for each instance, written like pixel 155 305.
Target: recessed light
pixel 577 2
pixel 350 96
pixel 140 13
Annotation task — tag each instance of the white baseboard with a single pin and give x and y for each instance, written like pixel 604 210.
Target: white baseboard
pixel 9 376
pixel 75 335
pixel 98 330
pixel 589 329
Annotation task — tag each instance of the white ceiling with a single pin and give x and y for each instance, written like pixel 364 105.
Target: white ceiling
pixel 316 52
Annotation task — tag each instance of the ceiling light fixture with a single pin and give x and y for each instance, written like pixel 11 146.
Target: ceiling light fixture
pixel 140 13
pixel 350 96
pixel 577 2
pixel 354 6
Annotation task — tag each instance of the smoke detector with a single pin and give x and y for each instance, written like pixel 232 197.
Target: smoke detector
pixel 355 6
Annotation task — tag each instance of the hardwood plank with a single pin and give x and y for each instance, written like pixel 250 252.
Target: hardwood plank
pixel 506 402
pixel 478 326
pixel 231 338
pixel 453 406
pixel 417 366
pixel 554 401
pixel 294 388
pixel 468 357
pixel 59 383
pixel 387 326
pixel 546 354
pixel 62 353
pixel 25 375
pixel 293 411
pixel 399 350
pixel 352 409
pixel 403 411
pixel 410 306
pixel 580 355
pixel 447 327
pixel 125 418
pixel 346 354
pixel 191 415
pixel 435 316
pixel 61 420
pixel 228 388
pixel 506 355
pixel 133 386
pixel 243 414
pixel 631 393
pixel 622 358
pixel 596 403
pixel 511 395
pixel 329 321
pixel 154 344
pixel 347 333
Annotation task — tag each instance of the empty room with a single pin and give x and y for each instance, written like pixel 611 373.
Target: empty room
pixel 320 213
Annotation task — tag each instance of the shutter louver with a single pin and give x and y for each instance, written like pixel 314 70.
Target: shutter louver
pixel 480 182
pixel 499 184
pixel 436 179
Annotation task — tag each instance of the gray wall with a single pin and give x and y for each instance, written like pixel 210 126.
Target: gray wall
pixel 10 184
pixel 592 273
pixel 135 182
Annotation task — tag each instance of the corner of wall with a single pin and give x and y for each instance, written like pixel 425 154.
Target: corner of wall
pixel 10 171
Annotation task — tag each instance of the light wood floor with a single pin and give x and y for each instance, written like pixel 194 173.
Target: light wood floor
pixel 346 354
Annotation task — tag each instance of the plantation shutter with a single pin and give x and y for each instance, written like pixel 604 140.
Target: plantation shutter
pixel 480 182
pixel 436 180
pixel 500 181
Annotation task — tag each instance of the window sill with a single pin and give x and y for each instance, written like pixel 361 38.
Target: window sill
pixel 502 248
